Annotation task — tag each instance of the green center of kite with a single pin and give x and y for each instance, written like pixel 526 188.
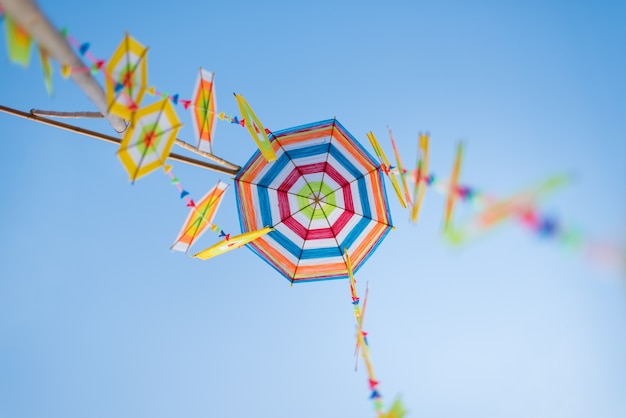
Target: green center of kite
pixel 316 205
pixel 149 138
pixel 127 77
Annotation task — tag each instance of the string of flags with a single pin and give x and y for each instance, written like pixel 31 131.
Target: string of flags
pixel 397 410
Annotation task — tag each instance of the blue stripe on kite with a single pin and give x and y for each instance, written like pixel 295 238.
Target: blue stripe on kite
pixel 297 252
pixel 264 257
pixel 275 169
pixel 321 253
pixel 308 151
pixel 265 207
pixel 363 195
pixel 355 233
pixel 285 242
pixel 344 162
pixel 304 127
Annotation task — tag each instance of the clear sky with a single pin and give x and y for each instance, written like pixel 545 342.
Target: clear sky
pixel 99 319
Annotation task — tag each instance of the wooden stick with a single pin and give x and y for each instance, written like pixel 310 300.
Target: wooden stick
pixel 107 138
pixel 55 114
pixel 208 155
pixel 179 142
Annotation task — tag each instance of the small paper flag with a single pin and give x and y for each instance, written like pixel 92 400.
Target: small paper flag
pixel 18 42
pixel 47 70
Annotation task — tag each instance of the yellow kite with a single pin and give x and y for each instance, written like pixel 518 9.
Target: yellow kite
pixel 420 177
pixel 148 141
pixel 231 244
pixel 126 77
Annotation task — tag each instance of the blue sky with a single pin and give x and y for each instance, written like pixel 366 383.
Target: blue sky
pixel 99 319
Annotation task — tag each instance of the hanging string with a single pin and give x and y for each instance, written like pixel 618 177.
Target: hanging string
pixel 362 343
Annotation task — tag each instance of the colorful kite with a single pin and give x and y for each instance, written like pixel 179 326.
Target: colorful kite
pixel 323 193
pixel 148 141
pixel 126 77
pixel 521 205
pixel 203 110
pixel 200 217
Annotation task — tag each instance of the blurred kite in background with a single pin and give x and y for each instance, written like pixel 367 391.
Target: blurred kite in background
pixel 453 187
pixel 18 42
pixel 231 243
pixel 419 188
pixel 126 77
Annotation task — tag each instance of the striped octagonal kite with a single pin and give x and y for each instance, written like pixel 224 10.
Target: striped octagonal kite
pixel 323 193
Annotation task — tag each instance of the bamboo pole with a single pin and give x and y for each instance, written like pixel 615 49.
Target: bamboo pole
pixel 29 16
pixel 179 142
pixel 66 115
pixel 107 138
pixel 208 155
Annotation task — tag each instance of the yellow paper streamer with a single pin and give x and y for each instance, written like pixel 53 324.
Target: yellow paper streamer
pixel 233 243
pixel 262 141
pixel 422 171
pixel 47 70
pixel 400 168
pixel 385 162
pixel 452 187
